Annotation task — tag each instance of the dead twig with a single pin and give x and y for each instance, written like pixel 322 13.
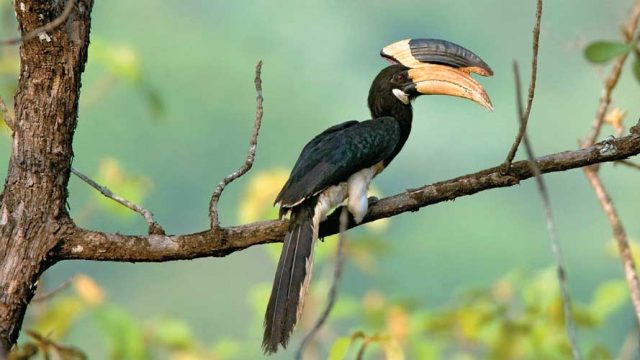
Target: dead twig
pixel 48 295
pixel 610 83
pixel 532 90
pixel 50 26
pixel 253 143
pixel 628 163
pixel 333 291
pixel 551 227
pixel 591 172
pixel 154 227
pixel 8 119
pixel 620 236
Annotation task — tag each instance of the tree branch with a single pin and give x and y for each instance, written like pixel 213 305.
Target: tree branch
pixel 621 238
pixel 532 90
pixel 591 172
pixel 628 163
pixel 77 243
pixel 612 80
pixel 51 293
pixel 253 143
pixel 154 227
pixel 50 26
pixel 561 271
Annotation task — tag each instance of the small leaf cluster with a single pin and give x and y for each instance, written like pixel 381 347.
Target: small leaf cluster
pixel 602 52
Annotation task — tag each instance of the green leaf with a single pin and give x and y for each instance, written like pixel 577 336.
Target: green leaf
pixel 609 297
pixel 174 334
pixel 59 317
pixel 228 348
pixel 122 61
pixel 123 331
pixel 636 67
pixel 340 348
pixel 599 352
pixel 601 52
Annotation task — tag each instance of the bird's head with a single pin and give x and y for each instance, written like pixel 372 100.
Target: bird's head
pixel 426 67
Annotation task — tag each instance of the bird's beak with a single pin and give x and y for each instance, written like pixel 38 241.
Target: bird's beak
pixel 431 79
pixel 440 67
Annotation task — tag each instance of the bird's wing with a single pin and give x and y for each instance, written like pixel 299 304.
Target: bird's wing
pixel 337 153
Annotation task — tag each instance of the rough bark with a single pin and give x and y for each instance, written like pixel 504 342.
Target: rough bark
pixel 33 208
pixel 35 228
pixel 84 244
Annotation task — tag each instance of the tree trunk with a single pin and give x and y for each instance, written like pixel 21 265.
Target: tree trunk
pixel 33 206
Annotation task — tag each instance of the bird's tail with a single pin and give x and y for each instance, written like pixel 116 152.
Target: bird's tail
pixel 292 277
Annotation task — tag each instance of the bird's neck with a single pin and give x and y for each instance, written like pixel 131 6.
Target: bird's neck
pixel 404 115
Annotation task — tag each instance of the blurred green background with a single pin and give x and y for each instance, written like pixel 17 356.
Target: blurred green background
pixel 167 108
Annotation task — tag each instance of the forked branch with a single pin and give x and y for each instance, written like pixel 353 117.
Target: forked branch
pixel 248 163
pixel 78 243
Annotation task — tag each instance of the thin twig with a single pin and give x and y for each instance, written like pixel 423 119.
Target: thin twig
pixel 551 227
pixel 48 295
pixel 363 347
pixel 612 80
pixel 532 90
pixel 620 236
pixel 591 172
pixel 253 143
pixel 50 26
pixel 154 227
pixel 333 291
pixel 8 119
pixel 628 163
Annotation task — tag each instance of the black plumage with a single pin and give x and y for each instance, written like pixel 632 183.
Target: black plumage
pixel 285 303
pixel 341 161
pixel 331 157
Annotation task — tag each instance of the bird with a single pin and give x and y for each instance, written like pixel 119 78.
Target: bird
pixel 338 164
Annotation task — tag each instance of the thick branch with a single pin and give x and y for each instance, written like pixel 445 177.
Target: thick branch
pixel 77 243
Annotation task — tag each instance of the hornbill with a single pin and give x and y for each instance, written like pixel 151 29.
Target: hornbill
pixel 339 163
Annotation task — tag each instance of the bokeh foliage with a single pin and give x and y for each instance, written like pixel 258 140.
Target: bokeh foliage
pixel 520 316
pixel 165 113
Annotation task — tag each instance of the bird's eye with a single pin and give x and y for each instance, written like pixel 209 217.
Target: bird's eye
pixel 400 78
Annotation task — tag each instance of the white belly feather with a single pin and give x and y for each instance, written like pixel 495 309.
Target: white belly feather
pixel 355 189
